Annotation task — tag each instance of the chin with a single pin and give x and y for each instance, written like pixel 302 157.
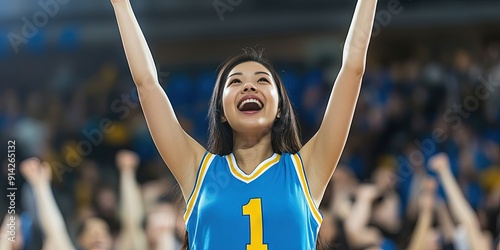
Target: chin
pixel 245 127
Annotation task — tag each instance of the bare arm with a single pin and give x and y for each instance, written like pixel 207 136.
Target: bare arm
pixel 321 154
pixel 180 152
pixel 132 235
pixel 358 233
pixel 51 220
pixel 424 222
pixel 421 230
pixel 386 215
pixel 459 206
pixel 445 221
pixel 5 243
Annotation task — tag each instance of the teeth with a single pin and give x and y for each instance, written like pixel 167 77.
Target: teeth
pixel 250 100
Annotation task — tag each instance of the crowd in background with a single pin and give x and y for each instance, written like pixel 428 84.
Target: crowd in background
pixel 384 192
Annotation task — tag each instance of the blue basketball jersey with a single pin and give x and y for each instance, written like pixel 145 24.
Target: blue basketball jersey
pixel 268 209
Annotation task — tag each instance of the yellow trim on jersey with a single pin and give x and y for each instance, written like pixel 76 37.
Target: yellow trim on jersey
pixel 201 175
pixel 303 182
pixel 261 168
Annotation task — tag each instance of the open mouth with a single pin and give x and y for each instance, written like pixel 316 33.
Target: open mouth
pixel 250 104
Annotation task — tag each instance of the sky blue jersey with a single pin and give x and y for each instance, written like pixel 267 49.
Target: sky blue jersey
pixel 268 209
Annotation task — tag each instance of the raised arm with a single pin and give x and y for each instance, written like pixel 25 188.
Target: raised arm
pixel 322 153
pixel 51 221
pixel 424 221
pixel 359 233
pixel 445 222
pixel 132 235
pixel 180 152
pixel 5 243
pixel 459 206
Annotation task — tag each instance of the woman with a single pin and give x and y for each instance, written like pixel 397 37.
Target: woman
pixel 255 185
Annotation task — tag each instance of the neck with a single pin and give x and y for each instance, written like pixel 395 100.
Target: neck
pixel 251 150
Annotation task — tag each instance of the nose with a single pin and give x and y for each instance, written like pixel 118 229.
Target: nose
pixel 249 87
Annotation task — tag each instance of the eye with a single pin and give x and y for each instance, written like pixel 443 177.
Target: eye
pixel 235 81
pixel 263 79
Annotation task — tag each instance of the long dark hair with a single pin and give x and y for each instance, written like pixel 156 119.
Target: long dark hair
pixel 285 132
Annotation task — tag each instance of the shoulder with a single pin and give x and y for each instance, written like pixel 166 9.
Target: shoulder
pixel 295 158
pixel 209 159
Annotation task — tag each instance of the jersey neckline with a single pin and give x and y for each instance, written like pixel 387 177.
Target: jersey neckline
pixel 258 171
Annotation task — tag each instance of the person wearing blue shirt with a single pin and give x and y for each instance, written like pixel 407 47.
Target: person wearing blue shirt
pixel 255 186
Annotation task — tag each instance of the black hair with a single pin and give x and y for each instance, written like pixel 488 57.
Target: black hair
pixel 285 132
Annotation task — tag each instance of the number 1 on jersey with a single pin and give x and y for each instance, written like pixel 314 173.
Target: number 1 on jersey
pixel 254 210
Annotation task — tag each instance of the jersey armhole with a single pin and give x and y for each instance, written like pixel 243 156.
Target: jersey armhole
pixel 200 176
pixel 301 174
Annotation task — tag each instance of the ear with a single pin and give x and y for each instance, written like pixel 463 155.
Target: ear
pixel 223 119
pixel 278 115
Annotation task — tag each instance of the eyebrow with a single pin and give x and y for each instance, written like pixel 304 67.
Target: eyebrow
pixel 256 73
